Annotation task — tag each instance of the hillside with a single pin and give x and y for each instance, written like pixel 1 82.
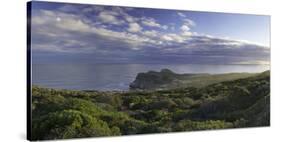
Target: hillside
pixel 166 79
pixel 237 103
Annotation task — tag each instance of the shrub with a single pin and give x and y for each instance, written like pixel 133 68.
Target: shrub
pixel 69 124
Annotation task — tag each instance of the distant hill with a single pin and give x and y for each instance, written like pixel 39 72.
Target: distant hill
pixel 166 79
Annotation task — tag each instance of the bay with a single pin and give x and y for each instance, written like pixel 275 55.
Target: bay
pixel 108 77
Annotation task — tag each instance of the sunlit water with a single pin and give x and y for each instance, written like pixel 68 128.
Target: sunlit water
pixel 116 76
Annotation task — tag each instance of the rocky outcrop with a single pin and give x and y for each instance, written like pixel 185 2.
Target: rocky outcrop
pixel 153 79
pixel 167 79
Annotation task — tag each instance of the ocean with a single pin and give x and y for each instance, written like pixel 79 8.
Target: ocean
pixel 108 77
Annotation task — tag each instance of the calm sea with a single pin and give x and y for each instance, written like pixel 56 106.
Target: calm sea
pixel 116 76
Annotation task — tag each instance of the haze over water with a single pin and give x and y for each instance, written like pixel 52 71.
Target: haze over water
pixel 105 77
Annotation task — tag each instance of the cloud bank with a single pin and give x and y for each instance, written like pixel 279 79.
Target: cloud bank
pixel 98 34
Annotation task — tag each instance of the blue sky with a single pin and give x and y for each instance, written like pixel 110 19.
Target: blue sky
pixel 105 34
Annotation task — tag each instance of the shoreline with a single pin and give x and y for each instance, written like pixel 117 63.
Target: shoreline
pixel 141 90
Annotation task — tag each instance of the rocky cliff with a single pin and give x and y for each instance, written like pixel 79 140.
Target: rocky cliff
pixel 167 79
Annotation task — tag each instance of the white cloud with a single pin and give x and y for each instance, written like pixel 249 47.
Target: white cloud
pixel 189 22
pixel 185 28
pixel 123 12
pixel 173 37
pixel 58 34
pixel 58 19
pixel 134 27
pixel 150 22
pixel 109 18
pixel 186 21
pixel 129 18
pixel 151 33
pixel 181 14
pixel 73 25
pixel 56 31
pixel 185 31
pixel 38 21
pixel 186 34
pixel 48 13
pixel 167 38
pixel 46 18
pixel 254 62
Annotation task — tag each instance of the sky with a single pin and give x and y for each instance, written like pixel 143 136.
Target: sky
pixel 75 33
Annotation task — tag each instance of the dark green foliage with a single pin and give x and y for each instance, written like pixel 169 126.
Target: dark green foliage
pixel 70 124
pixel 188 125
pixel 59 114
pixel 113 100
pixel 63 117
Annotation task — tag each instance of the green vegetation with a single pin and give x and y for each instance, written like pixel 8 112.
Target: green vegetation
pixel 60 114
pixel 166 79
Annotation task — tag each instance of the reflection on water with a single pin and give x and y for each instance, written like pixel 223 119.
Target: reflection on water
pixel 116 76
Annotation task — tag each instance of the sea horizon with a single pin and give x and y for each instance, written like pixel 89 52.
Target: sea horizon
pixel 117 77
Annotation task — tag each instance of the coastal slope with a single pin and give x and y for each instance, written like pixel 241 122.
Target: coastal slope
pixel 239 103
pixel 166 79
